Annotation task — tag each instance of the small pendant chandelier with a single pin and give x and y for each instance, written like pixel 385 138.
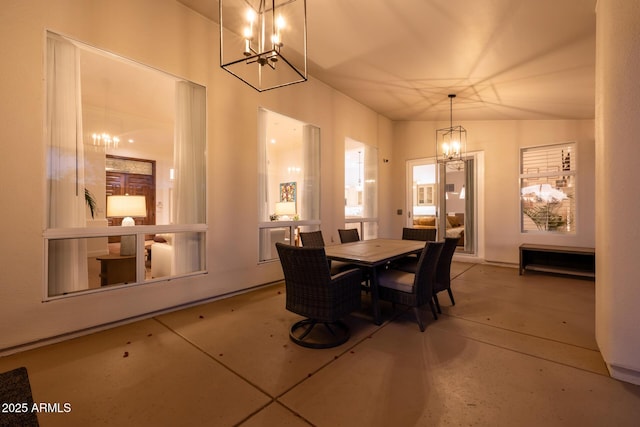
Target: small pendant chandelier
pixel 451 142
pixel 264 42
pixel 105 140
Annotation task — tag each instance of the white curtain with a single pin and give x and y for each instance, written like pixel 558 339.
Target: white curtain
pixel 190 176
pixel 310 197
pixel 67 258
pixel 370 208
pixel 266 245
pixel 263 173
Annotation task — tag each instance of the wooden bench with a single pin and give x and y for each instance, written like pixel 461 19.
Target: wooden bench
pixel 575 261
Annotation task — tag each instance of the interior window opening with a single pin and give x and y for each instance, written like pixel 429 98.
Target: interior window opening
pixel 126 149
pixel 289 175
pixel 361 188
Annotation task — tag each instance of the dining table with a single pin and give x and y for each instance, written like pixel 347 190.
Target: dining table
pixel 372 255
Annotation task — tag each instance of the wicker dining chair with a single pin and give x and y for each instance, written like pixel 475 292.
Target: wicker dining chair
pixel 311 291
pixel 422 234
pixel 409 262
pixel 443 271
pixel 413 290
pixel 349 235
pixel 312 239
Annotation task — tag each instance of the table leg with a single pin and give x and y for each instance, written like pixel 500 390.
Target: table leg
pixel 375 297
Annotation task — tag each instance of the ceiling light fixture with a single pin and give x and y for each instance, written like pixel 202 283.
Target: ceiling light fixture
pixel 451 142
pixel 264 42
pixel 105 140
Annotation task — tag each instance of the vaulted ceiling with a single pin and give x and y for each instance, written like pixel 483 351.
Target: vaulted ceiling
pixel 504 59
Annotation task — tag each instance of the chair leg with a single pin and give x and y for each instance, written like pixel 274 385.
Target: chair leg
pixel 310 324
pixel 453 302
pixel 366 281
pixel 416 312
pixel 433 309
pixel 435 298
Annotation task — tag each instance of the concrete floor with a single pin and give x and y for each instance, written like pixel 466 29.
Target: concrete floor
pixel 513 351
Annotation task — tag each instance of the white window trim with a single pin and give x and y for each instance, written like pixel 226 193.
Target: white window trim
pixel 139 231
pixel 573 172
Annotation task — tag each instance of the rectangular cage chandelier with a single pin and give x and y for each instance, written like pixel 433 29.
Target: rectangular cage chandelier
pixel 451 142
pixel 264 42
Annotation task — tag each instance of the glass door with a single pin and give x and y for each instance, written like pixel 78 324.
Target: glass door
pixel 422 197
pixel 458 205
pixel 444 197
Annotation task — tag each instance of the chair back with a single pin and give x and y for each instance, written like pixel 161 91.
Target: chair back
pixel 443 269
pixel 307 265
pixel 421 234
pixel 312 239
pixel 311 291
pixel 349 235
pixel 426 271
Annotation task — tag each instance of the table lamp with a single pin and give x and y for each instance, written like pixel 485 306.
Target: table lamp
pixel 285 210
pixel 127 207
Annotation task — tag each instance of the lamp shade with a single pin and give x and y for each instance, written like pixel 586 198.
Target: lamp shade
pixel 126 206
pixel 286 208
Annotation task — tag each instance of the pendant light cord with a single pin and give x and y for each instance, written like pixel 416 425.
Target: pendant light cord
pixel 451 96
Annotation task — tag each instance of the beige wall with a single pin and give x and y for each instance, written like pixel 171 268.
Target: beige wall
pixel 500 141
pixel 617 128
pixel 166 35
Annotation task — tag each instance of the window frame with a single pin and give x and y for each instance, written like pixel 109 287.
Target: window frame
pixel 139 231
pixel 567 170
pixel 52 233
pixel 367 195
pixel 268 222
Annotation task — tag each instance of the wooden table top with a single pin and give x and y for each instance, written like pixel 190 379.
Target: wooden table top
pixel 373 252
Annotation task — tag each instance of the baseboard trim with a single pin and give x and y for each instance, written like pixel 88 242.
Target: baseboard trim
pixel 624 374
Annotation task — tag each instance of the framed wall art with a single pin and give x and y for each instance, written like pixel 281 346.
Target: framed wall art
pixel 288 192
